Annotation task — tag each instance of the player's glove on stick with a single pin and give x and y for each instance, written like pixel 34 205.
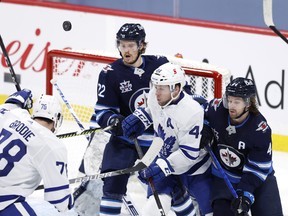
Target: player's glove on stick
pixel 115 120
pixel 22 98
pixel 157 170
pixel 135 124
pixel 207 136
pixel 242 204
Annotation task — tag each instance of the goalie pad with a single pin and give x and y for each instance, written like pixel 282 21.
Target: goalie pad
pixel 89 202
pixel 94 153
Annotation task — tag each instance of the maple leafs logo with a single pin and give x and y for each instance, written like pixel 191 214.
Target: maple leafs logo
pixel 168 142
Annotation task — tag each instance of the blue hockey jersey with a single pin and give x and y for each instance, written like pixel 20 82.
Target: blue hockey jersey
pixel 122 88
pixel 245 150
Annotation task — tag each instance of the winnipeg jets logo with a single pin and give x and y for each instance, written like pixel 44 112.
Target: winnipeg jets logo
pixel 138 99
pixel 125 86
pixel 263 126
pixel 230 157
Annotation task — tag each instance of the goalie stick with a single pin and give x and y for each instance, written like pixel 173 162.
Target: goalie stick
pixel 268 18
pixel 144 162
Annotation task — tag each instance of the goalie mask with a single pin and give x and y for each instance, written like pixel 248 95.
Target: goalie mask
pixel 48 107
pixel 170 75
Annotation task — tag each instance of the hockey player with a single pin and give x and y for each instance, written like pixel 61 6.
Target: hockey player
pixel 178 120
pixel 243 146
pixel 122 87
pixel 31 152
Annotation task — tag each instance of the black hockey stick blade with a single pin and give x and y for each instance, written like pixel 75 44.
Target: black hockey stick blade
pixel 144 162
pixel 277 32
pixel 268 19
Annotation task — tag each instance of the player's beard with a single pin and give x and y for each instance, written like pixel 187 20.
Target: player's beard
pixel 129 60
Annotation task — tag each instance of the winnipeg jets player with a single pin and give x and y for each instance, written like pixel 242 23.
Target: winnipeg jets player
pixel 122 87
pixel 178 120
pixel 243 146
pixel 29 152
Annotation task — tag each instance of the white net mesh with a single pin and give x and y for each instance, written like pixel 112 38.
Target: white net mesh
pixel 77 73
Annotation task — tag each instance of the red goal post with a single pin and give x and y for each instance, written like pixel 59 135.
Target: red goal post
pixel 77 73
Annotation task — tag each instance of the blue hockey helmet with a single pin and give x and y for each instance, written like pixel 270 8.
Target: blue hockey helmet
pixel 241 87
pixel 131 31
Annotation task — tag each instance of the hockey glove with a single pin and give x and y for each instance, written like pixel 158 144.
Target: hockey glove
pixel 115 121
pixel 157 170
pixel 207 136
pixel 135 124
pixel 241 205
pixel 22 98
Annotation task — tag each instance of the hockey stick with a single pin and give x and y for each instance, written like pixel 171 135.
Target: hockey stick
pixel 150 180
pixel 83 186
pixel 70 108
pixel 144 162
pixel 8 62
pixel 130 206
pixel 268 18
pixel 219 167
pixel 83 132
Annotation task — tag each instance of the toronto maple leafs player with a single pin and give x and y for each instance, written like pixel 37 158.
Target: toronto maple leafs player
pixel 178 120
pixel 243 146
pixel 30 152
pixel 122 86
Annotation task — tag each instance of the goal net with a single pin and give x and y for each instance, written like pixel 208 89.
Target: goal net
pixel 77 73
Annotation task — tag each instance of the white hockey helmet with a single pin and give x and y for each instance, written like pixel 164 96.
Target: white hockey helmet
pixel 49 107
pixel 169 74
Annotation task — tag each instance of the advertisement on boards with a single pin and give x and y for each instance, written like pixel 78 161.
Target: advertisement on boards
pixel 254 54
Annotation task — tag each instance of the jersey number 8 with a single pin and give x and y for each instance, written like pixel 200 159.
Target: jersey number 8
pixel 13 152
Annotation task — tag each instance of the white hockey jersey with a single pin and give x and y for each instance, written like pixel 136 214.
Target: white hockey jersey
pixel 30 152
pixel 179 125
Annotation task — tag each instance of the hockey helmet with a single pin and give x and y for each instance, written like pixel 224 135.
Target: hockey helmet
pixel 169 74
pixel 48 107
pixel 240 87
pixel 131 31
